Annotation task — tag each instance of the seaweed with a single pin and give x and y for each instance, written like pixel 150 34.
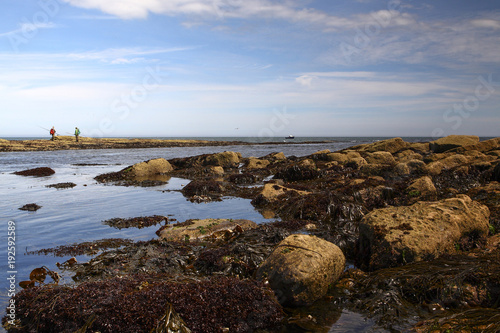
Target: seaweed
pixel 138 303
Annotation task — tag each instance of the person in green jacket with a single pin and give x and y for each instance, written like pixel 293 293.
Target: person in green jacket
pixel 77 133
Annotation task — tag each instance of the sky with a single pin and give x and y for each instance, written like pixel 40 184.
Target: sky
pixel 259 68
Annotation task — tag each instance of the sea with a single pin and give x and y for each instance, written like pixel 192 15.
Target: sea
pixel 76 215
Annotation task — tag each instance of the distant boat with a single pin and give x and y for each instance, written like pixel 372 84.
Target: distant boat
pixel 290 137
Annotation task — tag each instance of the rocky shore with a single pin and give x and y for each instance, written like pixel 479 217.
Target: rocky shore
pixel 403 233
pixel 69 142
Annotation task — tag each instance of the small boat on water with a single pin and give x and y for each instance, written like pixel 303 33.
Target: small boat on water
pixel 290 137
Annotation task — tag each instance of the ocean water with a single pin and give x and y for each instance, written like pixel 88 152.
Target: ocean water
pixel 75 215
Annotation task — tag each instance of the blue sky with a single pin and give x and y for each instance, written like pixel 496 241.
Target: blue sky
pixel 250 67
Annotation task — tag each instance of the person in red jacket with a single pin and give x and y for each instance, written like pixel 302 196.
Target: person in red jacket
pixel 52 133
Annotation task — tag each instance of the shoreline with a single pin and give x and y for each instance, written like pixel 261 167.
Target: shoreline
pixel 69 143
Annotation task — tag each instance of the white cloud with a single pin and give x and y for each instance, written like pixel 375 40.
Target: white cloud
pixel 486 23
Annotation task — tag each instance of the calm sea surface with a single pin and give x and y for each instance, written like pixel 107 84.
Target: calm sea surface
pixel 75 215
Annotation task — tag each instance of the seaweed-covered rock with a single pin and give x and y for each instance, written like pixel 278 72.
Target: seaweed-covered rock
pixel 380 157
pixel 255 163
pixel 227 159
pixel 390 145
pixel 32 207
pixel 397 235
pixel 205 229
pixel 62 185
pixel 453 141
pixel 303 171
pixel 206 188
pixel 271 192
pixel 301 268
pixel 36 172
pixel 157 166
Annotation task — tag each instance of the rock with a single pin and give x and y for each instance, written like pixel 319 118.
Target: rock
pixel 375 169
pixel 390 145
pixel 301 268
pixel 394 236
pixel 216 170
pixel 275 157
pixel 454 161
pixel 337 157
pixel 408 155
pixel 420 147
pixel 255 163
pixel 205 229
pixel 380 157
pixel 32 207
pixel 401 169
pixel 452 141
pixel 153 167
pixel 227 159
pixel 271 191
pixel 417 167
pixel 495 175
pixel 305 170
pixel 62 185
pixel 435 168
pixel 422 188
pixel 483 146
pixel 210 188
pixel 36 172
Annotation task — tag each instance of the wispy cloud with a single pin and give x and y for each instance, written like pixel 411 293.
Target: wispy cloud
pixel 28 28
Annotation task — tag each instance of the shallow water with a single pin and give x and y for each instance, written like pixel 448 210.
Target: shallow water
pixel 75 215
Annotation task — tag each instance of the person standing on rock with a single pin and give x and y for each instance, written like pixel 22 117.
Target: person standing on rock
pixel 77 133
pixel 52 133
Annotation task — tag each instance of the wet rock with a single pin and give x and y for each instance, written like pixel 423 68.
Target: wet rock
pixel 271 192
pixel 397 235
pixel 36 172
pixel 301 268
pixel 495 176
pixel 255 163
pixel 149 173
pixel 227 159
pixel 423 289
pixel 295 172
pixel 32 207
pixel 136 222
pixel 210 188
pixel 205 229
pixel 62 185
pixel 453 141
pixel 158 166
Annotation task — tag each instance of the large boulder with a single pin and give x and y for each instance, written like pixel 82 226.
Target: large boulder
pixel 301 268
pixel 483 146
pixel 153 167
pixel 227 159
pixel 452 142
pixel 397 235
